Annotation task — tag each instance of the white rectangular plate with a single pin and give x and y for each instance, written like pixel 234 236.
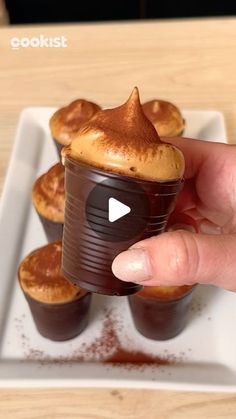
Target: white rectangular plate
pixel 205 351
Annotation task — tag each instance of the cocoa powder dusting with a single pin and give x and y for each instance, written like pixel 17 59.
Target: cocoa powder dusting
pixel 110 350
pixel 106 348
pixel 122 356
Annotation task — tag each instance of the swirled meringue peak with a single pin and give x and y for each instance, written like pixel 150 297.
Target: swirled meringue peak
pixel 122 140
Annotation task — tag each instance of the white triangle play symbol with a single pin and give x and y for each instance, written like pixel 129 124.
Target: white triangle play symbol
pixel 116 210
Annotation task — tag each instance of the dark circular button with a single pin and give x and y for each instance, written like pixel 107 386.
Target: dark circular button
pixel 117 210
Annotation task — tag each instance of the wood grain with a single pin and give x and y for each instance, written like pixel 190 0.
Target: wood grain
pixel 192 63
pixel 114 404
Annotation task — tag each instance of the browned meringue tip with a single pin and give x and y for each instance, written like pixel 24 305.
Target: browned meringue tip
pixel 118 139
pixel 134 97
pixel 133 111
pixel 165 292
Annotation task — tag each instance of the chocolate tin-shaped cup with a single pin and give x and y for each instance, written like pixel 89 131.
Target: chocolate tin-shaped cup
pixel 161 316
pixel 60 322
pixel 52 229
pixel 60 310
pixel 90 240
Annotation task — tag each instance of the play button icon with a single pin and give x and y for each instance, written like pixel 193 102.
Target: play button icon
pixel 116 210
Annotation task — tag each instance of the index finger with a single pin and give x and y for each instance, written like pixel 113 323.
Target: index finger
pixel 198 153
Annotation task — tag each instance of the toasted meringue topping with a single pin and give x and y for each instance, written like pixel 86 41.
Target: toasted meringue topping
pixel 49 194
pixel 165 116
pixel 165 292
pixel 122 140
pixel 40 276
pixel 65 122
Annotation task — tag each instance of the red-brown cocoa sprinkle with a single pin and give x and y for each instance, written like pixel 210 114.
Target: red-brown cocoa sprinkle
pixel 122 356
pixel 108 348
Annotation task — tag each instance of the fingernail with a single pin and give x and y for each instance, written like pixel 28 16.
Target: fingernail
pixel 132 265
pixel 209 228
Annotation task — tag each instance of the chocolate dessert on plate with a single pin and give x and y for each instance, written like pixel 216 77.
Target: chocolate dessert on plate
pixel 117 155
pixel 59 309
pixel 161 312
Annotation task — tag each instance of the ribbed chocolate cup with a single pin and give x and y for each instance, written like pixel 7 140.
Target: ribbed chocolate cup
pixel 59 147
pixel 160 319
pixel 63 321
pixel 88 252
pixel 53 230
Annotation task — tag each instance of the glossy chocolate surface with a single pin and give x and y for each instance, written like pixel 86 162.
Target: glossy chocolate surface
pixel 60 322
pixel 53 230
pixel 119 146
pixel 60 309
pixel 87 257
pixel 161 318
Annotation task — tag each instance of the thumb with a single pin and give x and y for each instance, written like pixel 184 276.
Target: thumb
pixel 180 258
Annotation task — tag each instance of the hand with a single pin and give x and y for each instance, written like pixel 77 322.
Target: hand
pixel 183 257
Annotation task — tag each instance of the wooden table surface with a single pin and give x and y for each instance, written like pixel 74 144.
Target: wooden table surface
pixel 192 63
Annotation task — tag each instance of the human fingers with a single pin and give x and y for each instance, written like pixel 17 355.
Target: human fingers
pixel 180 258
pixel 197 153
pixel 210 185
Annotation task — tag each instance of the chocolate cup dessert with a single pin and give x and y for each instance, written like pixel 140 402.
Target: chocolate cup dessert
pixel 161 313
pixel 88 254
pixel 53 229
pixel 118 149
pixel 48 196
pixel 166 117
pixel 60 322
pixel 60 310
pixel 66 121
